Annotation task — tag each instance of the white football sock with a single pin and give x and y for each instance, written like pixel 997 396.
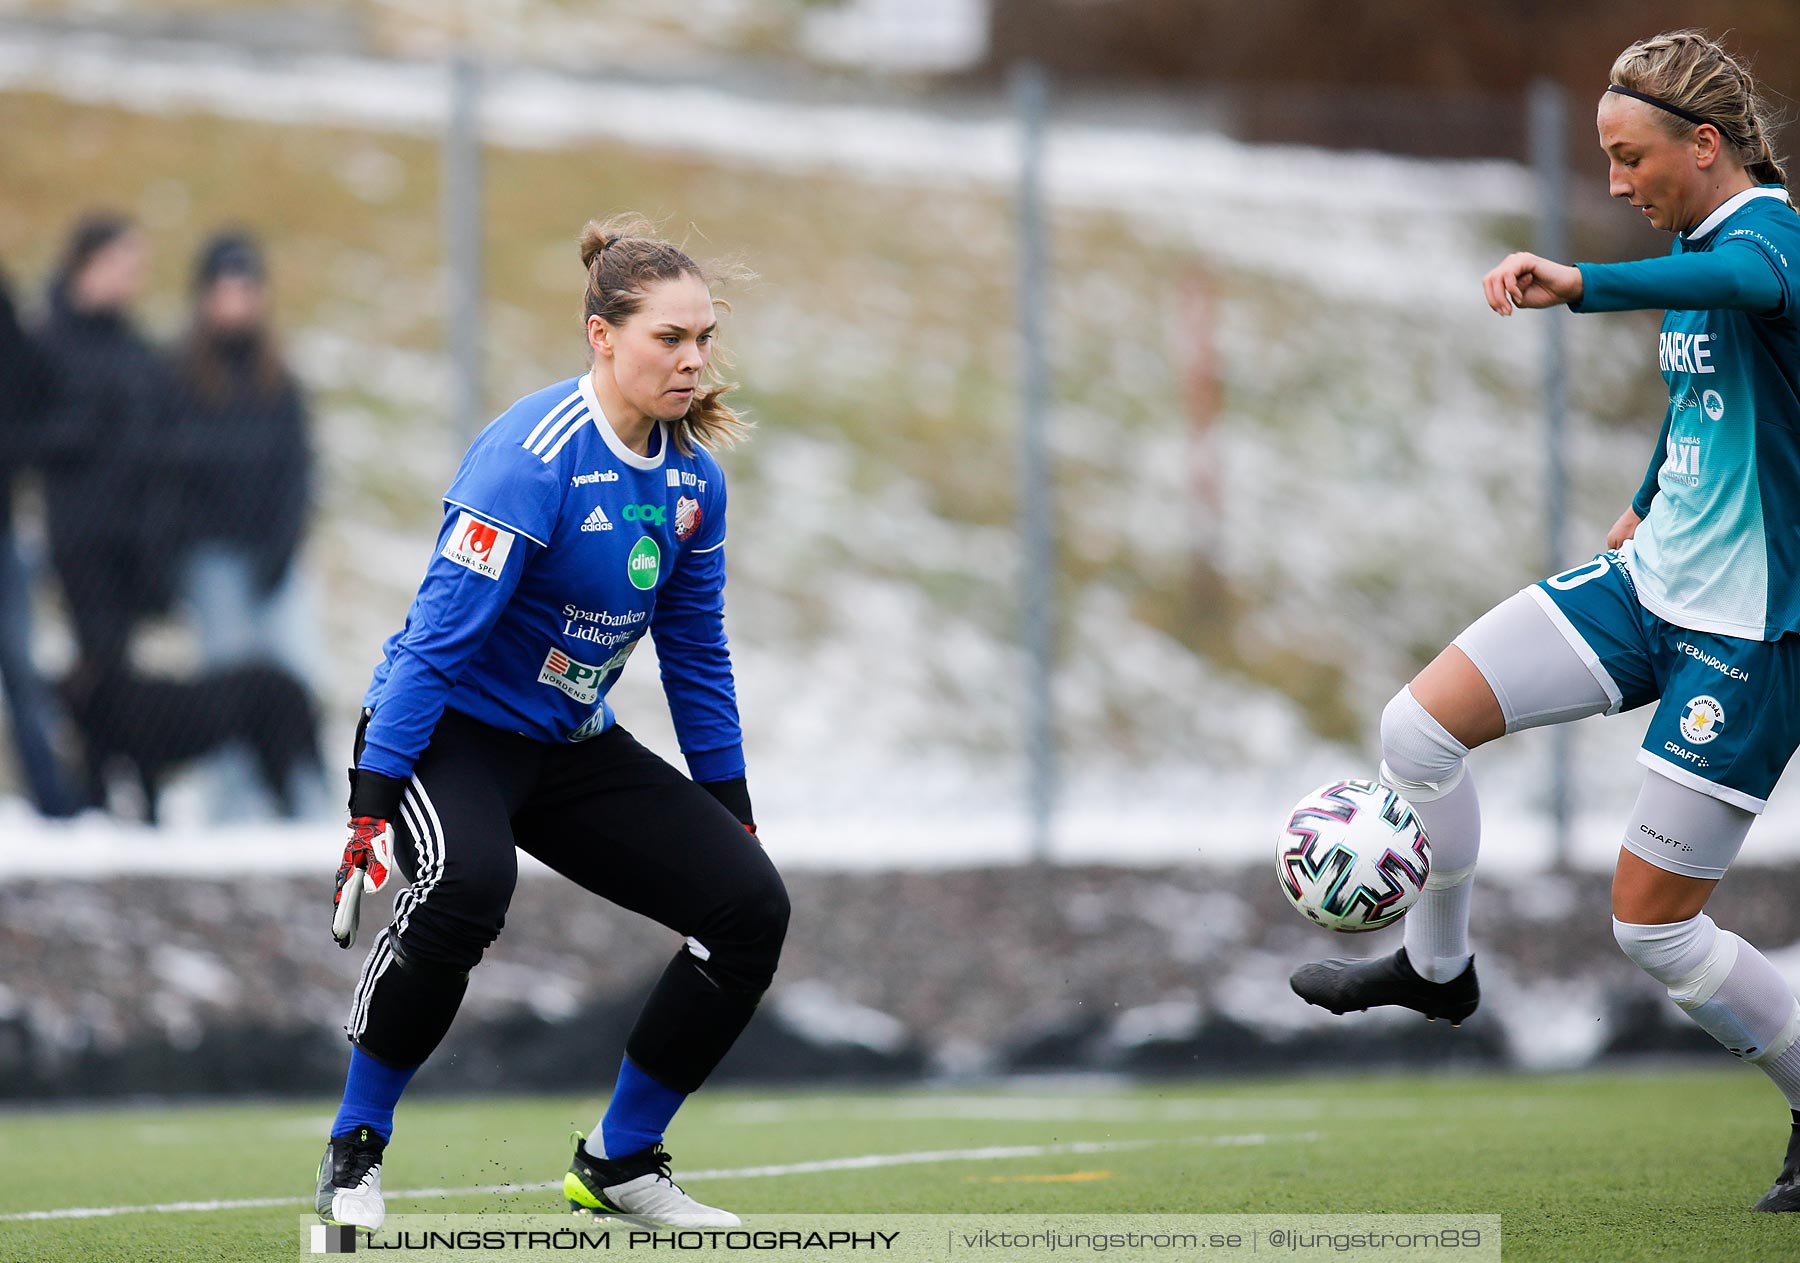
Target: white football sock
pixel 1728 987
pixel 1424 764
pixel 1437 928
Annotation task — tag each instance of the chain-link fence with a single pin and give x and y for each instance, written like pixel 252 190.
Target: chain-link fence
pixel 1271 378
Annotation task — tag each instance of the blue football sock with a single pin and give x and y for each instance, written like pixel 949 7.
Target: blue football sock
pixel 639 1113
pixel 371 1090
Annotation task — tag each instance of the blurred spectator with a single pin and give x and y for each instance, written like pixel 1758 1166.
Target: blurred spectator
pixel 24 400
pixel 100 442
pixel 240 473
pixel 240 443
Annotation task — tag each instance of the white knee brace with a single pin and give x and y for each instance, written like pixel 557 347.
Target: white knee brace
pixel 1419 757
pixel 1423 763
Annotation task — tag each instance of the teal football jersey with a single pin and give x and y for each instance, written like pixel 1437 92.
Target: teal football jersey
pixel 1719 547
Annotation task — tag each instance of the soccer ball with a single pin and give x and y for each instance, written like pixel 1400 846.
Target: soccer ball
pixel 1353 856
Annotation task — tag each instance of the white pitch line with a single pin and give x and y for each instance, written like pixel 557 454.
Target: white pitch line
pixel 860 1163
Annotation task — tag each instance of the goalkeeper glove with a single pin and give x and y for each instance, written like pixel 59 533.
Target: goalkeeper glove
pixel 734 796
pixel 368 858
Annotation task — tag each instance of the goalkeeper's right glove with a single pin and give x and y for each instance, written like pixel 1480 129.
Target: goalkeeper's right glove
pixel 368 858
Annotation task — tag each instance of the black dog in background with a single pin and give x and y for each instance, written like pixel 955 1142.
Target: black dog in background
pixel 153 724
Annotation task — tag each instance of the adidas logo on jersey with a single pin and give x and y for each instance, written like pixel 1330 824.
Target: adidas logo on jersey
pixel 597 521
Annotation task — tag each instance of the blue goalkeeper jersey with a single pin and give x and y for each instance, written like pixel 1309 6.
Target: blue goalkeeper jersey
pixel 1719 547
pixel 560 548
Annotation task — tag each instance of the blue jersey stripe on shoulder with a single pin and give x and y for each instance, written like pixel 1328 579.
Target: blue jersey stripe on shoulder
pixel 551 419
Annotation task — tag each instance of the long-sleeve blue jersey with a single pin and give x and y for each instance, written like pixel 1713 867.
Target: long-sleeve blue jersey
pixel 560 548
pixel 1719 546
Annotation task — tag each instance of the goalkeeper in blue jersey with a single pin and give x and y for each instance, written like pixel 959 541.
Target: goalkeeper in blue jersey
pixel 1695 605
pixel 588 514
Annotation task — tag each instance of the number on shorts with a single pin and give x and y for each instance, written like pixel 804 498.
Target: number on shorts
pixel 1580 574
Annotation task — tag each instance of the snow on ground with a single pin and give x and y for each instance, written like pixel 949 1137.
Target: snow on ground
pixel 97 846
pixel 1270 201
pixel 1377 357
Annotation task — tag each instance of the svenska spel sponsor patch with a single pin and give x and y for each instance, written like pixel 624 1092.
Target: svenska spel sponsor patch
pixel 577 679
pixel 475 545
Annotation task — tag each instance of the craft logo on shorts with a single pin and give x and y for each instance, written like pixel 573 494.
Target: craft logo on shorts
pixel 687 517
pixel 474 545
pixel 577 679
pixel 1714 403
pixel 1703 720
pixel 644 563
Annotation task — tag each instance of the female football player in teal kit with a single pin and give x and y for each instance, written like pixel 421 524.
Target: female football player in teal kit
pixel 1695 605
pixel 589 513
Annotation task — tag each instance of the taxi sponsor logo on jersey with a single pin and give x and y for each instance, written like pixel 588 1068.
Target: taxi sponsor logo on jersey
pixel 474 545
pixel 655 514
pixel 687 517
pixel 1685 353
pixel 1683 464
pixel 1703 720
pixel 644 564
pixel 577 679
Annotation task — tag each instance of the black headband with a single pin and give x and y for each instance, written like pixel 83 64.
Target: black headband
pixel 1668 106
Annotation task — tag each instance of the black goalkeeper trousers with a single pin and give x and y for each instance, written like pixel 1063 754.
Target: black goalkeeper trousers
pixel 613 818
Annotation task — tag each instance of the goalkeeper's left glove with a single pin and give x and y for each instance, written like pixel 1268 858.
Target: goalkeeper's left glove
pixel 734 796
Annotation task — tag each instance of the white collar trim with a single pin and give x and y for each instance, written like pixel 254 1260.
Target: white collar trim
pixel 613 441
pixel 1729 207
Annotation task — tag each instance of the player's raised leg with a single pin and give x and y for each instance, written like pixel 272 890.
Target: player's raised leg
pixel 1515 667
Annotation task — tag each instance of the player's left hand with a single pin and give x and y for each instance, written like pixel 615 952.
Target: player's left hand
pixel 734 796
pixel 1531 281
pixel 1623 529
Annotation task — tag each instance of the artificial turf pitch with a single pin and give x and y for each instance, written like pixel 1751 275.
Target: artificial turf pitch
pixel 1591 1167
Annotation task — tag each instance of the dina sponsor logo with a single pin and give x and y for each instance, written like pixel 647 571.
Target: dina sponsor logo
pixel 644 564
pixel 475 545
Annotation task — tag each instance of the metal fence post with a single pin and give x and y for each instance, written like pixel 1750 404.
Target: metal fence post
pixel 462 215
pixel 1549 131
pixel 1030 96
